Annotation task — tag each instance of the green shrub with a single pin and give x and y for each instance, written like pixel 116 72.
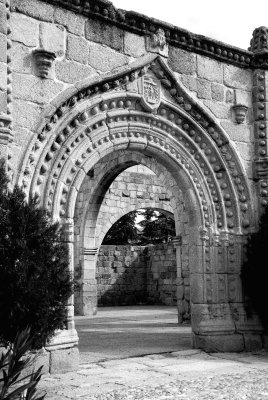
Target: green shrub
pixel 35 282
pixel 15 382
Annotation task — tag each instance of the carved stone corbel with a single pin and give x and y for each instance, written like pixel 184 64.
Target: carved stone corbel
pixel 6 135
pixel 43 61
pixel 240 111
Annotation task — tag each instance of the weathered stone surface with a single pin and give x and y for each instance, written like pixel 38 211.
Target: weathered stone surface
pixel 134 45
pixel 73 22
pixel 245 150
pixel 77 49
pixel 243 97
pixel 52 38
pixel 34 8
pixel 3 20
pixel 237 78
pixel 22 58
pixel 64 360
pixel 3 76
pixel 3 101
pixel 209 69
pixel 217 92
pixel 3 48
pixel 71 72
pixel 26 114
pixel 98 31
pixel 219 343
pixel 21 136
pixel 104 59
pixel 253 342
pixel 189 81
pixel 182 61
pixel 238 133
pixel 220 110
pixel 34 89
pixel 203 88
pixel 24 30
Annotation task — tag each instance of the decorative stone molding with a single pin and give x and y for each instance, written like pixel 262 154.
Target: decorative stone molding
pixel 260 115
pixel 240 112
pixel 177 241
pixel 90 252
pixel 142 25
pixel 6 135
pixel 157 43
pixel 43 60
pixel 206 146
pixel 259 47
pixel 261 168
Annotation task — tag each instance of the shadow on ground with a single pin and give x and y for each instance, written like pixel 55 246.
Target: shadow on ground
pixel 123 332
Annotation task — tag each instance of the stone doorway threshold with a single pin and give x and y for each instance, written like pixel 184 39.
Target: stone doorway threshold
pixel 130 331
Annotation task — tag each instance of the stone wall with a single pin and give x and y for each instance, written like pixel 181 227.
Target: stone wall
pixel 131 275
pixel 121 275
pixel 85 48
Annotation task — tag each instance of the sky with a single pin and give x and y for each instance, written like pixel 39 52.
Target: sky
pixel 230 21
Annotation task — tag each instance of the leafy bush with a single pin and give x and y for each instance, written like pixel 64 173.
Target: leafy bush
pixel 35 282
pixel 255 271
pixel 14 363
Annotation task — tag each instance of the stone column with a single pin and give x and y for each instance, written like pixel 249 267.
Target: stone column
pixel 62 349
pixel 6 135
pixel 88 286
pixel 177 242
pixel 259 47
pixel 213 324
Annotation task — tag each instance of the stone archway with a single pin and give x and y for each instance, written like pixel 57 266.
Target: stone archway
pixel 93 218
pixel 142 108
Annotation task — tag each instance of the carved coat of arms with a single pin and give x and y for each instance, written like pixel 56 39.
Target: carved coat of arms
pixel 150 93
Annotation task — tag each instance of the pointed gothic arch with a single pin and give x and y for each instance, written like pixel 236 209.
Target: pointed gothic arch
pixel 143 108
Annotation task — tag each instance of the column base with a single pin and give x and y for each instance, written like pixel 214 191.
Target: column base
pixel 63 354
pixel 219 343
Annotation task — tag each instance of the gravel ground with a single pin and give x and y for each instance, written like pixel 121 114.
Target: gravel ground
pixel 189 375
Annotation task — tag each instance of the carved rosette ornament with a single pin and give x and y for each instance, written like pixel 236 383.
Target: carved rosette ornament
pixel 43 60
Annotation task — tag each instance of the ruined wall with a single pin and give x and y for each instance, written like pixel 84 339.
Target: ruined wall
pixel 121 275
pixel 132 275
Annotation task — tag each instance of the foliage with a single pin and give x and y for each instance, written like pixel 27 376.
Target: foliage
pixel 35 282
pixel 156 227
pixel 124 231
pixel 15 383
pixel 255 272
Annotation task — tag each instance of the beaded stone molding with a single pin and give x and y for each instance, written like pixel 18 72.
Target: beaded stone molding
pixel 104 116
pixel 146 26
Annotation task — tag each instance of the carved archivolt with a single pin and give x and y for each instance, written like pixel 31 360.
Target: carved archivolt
pixel 109 115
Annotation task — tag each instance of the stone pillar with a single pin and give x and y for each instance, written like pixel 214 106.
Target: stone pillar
pixel 6 135
pixel 177 242
pixel 62 349
pixel 87 299
pixel 259 47
pixel 213 324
